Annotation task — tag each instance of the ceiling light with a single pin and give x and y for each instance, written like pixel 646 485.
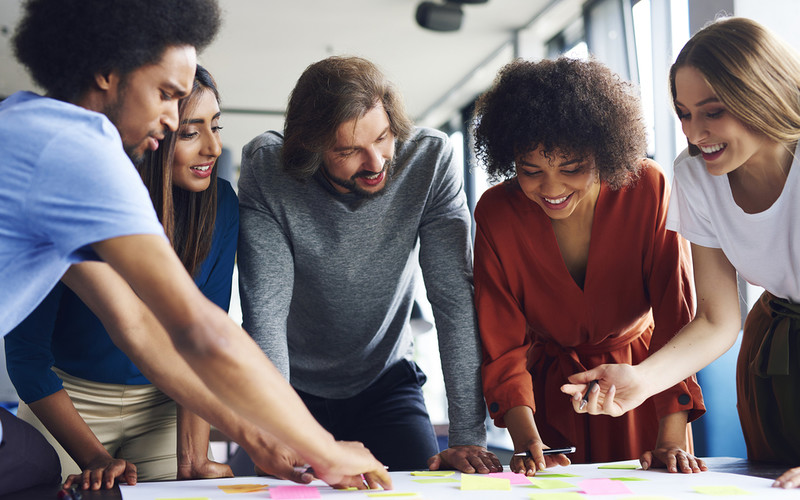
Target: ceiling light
pixel 439 17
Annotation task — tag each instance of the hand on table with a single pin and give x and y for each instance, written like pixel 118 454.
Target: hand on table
pixel 619 390
pixel 203 468
pixel 673 458
pixel 789 479
pixel 467 458
pixel 272 458
pixel 537 460
pixel 101 473
pixel 353 461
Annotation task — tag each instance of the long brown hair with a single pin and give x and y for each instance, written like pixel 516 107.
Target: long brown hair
pixel 188 217
pixel 328 93
pixel 754 74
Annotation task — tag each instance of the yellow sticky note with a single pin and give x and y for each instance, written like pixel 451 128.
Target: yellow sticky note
pixel 549 484
pixel 242 488
pixel 619 466
pixel 628 479
pixel 475 482
pixel 434 480
pixel 433 473
pixel 561 495
pixel 721 490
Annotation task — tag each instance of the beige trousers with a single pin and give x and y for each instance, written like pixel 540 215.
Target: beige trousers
pixel 134 422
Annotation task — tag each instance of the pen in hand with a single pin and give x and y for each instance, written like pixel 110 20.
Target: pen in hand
pixel 551 451
pixel 585 398
pixel 307 469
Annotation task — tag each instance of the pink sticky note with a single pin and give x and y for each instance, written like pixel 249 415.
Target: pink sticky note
pixel 511 476
pixel 603 487
pixel 298 491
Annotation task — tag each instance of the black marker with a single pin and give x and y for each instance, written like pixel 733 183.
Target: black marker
pixel 585 398
pixel 551 451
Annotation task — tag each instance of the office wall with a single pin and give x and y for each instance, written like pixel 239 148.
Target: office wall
pixel 781 16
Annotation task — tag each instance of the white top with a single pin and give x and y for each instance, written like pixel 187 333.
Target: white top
pixel 763 247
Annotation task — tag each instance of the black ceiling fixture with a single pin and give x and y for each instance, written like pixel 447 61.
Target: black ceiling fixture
pixel 442 16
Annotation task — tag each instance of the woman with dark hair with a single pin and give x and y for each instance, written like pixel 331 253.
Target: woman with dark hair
pixel 94 406
pixel 574 266
pixel 114 73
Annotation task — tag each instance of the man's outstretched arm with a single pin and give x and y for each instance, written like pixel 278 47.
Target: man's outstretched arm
pixel 240 380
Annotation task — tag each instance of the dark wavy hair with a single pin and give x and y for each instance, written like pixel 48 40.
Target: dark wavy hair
pixel 328 93
pixel 65 43
pixel 579 107
pixel 188 217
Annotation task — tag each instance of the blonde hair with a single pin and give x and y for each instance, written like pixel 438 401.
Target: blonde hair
pixel 755 74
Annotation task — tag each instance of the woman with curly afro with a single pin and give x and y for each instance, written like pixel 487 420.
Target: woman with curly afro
pixel 574 266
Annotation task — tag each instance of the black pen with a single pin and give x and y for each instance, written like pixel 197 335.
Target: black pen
pixel 551 451
pixel 585 398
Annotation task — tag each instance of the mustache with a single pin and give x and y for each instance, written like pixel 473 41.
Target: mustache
pixel 387 165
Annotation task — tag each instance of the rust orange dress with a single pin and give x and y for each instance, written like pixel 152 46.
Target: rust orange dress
pixel 538 326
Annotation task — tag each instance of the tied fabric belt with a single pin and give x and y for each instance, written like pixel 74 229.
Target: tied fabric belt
pixel 772 357
pixel 549 361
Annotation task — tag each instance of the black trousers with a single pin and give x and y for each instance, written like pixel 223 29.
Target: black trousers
pixel 26 458
pixel 389 417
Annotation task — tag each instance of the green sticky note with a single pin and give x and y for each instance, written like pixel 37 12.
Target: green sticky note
pixel 476 482
pixel 434 480
pixel 549 484
pixel 721 490
pixel 548 475
pixel 392 494
pixel 563 495
pixel 628 479
pixel 619 466
pixel 433 473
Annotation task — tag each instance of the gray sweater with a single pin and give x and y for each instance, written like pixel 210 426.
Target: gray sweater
pixel 327 280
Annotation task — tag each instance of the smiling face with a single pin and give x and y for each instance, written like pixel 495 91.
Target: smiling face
pixel 360 160
pixel 558 183
pixel 198 144
pixel 143 104
pixel 724 141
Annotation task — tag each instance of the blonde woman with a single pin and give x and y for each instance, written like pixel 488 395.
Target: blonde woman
pixel 736 90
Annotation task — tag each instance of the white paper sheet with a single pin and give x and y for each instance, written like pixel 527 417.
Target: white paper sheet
pixel 655 483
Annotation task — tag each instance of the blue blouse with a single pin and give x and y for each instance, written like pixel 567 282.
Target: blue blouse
pixel 64 333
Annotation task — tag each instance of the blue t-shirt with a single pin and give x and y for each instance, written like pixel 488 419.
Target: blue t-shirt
pixel 66 183
pixel 63 332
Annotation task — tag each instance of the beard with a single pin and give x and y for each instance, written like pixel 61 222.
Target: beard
pixel 136 158
pixel 352 186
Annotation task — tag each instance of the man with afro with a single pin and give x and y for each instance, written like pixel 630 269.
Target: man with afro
pixel 113 73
